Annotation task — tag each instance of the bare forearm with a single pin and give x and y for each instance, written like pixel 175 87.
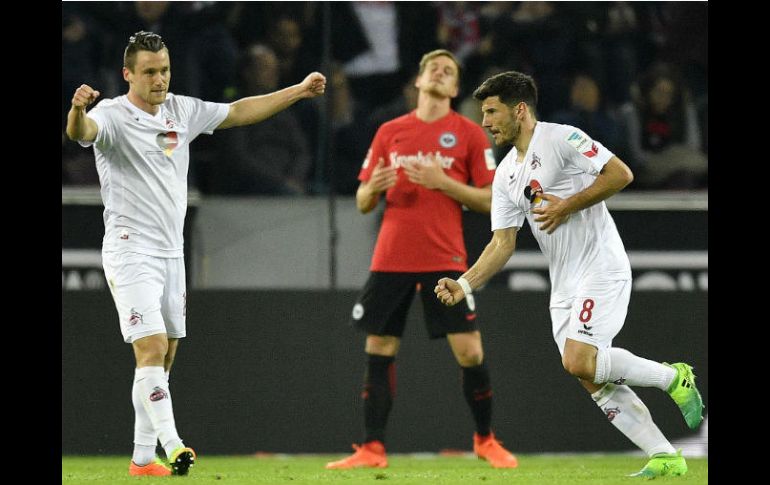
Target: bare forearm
pixel 247 111
pixel 475 198
pixel 596 193
pixel 613 178
pixel 79 126
pixel 493 258
pixel 366 199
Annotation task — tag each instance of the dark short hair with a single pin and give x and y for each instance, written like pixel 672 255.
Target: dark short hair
pixel 438 53
pixel 512 87
pixel 141 41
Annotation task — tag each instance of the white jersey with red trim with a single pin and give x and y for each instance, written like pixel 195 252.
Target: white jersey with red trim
pixel 142 162
pixel 561 160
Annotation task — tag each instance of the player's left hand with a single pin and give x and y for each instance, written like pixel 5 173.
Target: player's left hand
pixel 430 175
pixel 553 214
pixel 314 84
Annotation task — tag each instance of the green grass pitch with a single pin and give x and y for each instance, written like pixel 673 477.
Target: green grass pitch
pixel 404 469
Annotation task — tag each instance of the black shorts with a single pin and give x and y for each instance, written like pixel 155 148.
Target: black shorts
pixel 383 304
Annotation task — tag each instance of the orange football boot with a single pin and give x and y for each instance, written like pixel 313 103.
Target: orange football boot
pixel 154 469
pixel 368 455
pixel 488 448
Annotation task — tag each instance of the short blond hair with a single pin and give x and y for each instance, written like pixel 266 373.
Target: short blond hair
pixel 438 53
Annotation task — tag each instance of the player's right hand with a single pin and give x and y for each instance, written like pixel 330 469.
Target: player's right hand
pixel 449 291
pixel 84 95
pixel 382 177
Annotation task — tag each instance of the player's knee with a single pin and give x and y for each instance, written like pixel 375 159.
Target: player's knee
pixel 577 365
pixel 382 345
pixel 151 351
pixel 150 358
pixel 470 357
pixel 171 352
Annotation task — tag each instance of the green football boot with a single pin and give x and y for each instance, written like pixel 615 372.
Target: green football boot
pixel 181 460
pixel 663 465
pixel 686 395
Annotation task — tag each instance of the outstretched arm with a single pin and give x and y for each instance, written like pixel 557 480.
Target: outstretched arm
pixel 79 126
pixel 615 175
pixel 492 259
pixel 432 176
pixel 247 111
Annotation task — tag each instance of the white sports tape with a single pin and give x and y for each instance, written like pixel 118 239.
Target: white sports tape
pixel 468 293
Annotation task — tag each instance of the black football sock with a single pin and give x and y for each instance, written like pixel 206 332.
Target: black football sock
pixel 379 389
pixel 478 394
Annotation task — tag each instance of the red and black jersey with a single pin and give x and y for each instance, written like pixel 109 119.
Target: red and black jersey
pixel 422 228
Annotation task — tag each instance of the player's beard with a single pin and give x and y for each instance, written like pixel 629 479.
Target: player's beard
pixel 516 131
pixel 157 97
pixel 437 90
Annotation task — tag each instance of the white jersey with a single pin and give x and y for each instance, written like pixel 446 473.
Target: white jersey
pixel 142 162
pixel 561 160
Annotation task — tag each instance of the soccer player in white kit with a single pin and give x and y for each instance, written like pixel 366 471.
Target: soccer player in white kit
pixel 557 178
pixel 141 141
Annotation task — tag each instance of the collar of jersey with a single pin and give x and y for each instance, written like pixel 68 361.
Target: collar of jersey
pixel 136 111
pixel 535 135
pixel 443 118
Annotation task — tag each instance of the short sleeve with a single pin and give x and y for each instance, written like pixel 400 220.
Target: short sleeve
pixel 375 152
pixel 106 132
pixel 581 152
pixel 205 116
pixel 480 157
pixel 504 212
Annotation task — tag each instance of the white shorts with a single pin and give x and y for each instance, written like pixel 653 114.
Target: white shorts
pixel 594 317
pixel 149 294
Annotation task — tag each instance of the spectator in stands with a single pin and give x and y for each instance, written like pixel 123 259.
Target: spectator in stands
pixel 81 57
pixel 285 38
pixel 268 158
pixel 458 29
pixel 536 37
pixel 662 132
pixel 587 112
pixel 339 173
pixel 397 32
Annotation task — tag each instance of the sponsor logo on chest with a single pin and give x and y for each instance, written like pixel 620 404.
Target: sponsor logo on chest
pixel 428 158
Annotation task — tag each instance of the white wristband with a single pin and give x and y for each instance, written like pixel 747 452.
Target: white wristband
pixel 470 301
pixel 465 285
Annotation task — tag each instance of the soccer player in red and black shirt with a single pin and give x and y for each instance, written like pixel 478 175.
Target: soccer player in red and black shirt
pixel 423 162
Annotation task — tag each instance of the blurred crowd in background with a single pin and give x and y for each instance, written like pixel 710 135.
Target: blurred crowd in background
pixel 633 75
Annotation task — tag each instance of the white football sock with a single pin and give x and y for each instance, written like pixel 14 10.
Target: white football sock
pixel 145 437
pixel 628 413
pixel 156 398
pixel 619 366
pixel 143 454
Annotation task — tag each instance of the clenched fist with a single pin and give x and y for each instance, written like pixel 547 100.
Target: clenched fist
pixel 84 95
pixel 314 84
